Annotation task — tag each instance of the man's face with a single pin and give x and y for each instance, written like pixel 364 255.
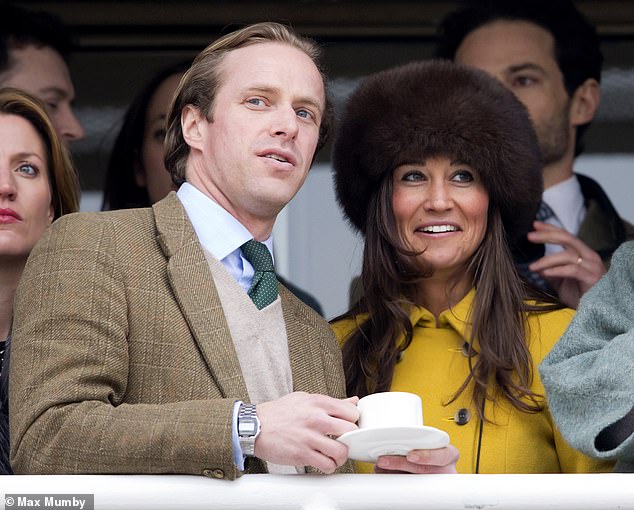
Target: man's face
pixel 259 145
pixel 43 73
pixel 522 56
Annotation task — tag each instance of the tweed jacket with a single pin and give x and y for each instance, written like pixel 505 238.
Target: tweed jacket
pixel 122 360
pixel 588 375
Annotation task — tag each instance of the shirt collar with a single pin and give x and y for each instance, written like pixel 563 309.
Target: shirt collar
pixel 218 231
pixel 566 201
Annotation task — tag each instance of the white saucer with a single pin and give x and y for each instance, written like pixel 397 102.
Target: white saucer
pixel 368 445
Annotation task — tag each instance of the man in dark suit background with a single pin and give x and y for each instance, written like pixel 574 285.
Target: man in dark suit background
pixel 548 54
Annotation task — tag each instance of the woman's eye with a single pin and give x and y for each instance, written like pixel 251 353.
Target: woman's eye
pixel 413 176
pixel 159 135
pixel 463 176
pixel 28 169
pixel 304 114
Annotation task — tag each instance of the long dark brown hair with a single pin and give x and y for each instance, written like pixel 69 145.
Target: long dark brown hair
pixel 391 276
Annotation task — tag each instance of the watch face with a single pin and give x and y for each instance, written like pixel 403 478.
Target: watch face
pixel 247 426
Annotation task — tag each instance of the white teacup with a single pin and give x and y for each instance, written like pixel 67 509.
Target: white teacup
pixel 390 409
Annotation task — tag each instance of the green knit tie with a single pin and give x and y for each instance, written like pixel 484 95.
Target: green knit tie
pixel 263 289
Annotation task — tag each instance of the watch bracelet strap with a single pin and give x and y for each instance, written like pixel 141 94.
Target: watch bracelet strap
pixel 247 443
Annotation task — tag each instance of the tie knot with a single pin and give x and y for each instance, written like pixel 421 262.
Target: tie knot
pixel 258 255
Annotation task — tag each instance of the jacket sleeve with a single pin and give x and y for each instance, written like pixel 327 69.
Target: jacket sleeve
pixel 588 374
pixel 70 413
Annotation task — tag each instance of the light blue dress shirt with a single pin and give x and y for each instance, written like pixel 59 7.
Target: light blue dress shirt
pixel 221 235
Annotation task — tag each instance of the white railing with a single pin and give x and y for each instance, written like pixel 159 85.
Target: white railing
pixel 337 492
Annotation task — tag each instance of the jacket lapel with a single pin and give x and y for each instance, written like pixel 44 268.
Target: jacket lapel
pixel 195 292
pixel 309 356
pixel 304 346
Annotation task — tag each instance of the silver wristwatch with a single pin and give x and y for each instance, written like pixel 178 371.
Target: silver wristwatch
pixel 248 428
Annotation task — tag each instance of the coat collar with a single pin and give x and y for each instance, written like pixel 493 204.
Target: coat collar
pixel 602 228
pixel 196 294
pixel 307 346
pixel 456 317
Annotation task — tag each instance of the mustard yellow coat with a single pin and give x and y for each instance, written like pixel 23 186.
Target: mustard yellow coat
pixel 435 365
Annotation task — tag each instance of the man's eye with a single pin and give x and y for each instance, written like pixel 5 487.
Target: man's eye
pixel 524 81
pixel 256 101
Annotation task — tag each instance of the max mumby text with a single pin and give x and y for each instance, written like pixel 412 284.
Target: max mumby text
pixel 50 501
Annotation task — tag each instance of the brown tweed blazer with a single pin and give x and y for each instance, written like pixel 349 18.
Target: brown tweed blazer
pixel 122 361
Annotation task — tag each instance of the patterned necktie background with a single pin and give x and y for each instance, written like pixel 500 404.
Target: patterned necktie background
pixel 544 213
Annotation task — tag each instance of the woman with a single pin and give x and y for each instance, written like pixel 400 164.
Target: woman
pixel 37 185
pixel 438 167
pixel 136 175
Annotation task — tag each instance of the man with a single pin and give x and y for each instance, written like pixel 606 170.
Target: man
pixel 136 348
pixel 34 48
pixel 548 54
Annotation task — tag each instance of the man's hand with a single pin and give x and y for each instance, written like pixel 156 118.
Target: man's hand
pixel 570 272
pixel 299 430
pixel 441 460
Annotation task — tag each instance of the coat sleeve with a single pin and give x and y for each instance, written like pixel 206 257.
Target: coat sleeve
pixel 71 366
pixel 588 374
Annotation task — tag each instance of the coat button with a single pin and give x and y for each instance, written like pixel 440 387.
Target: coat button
pixel 465 350
pixel 462 416
pixel 214 473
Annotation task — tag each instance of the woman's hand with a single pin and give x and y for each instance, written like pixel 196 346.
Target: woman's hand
pixel 441 460
pixel 570 272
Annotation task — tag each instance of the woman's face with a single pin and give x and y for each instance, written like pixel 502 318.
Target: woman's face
pixel 25 194
pixel 440 206
pixel 153 175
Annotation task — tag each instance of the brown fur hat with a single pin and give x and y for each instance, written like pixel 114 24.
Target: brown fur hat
pixel 407 113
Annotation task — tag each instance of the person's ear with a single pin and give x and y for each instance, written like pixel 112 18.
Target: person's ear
pixel 193 124
pixel 585 102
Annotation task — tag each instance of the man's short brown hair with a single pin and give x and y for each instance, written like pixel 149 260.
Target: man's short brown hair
pixel 199 85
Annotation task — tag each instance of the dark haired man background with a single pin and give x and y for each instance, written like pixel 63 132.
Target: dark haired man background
pixel 34 49
pixel 548 54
